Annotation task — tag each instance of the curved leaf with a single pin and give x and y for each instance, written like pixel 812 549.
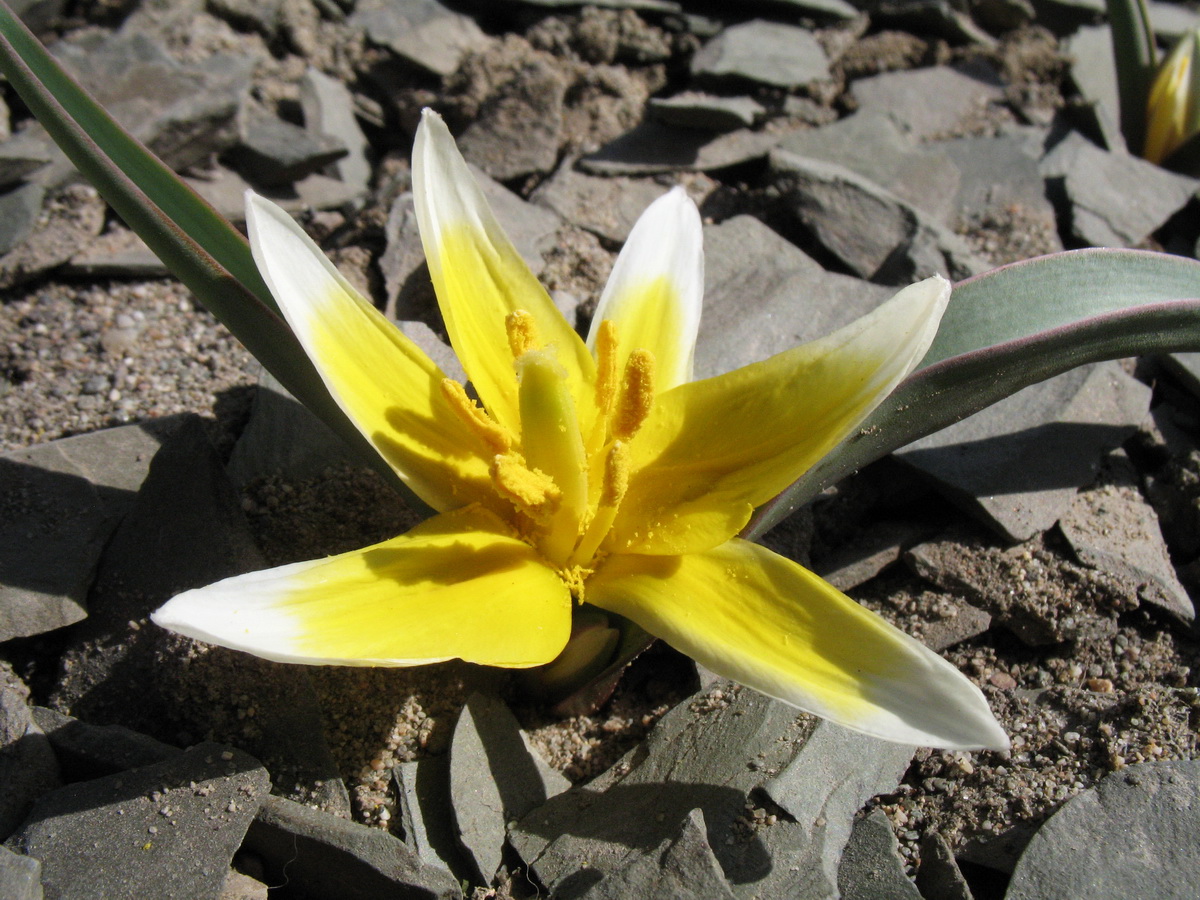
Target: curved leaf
pixel 1010 328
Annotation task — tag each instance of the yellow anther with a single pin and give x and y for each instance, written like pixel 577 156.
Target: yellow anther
pixel 606 366
pixel 637 395
pixel 616 476
pixel 531 491
pixel 522 332
pixel 496 436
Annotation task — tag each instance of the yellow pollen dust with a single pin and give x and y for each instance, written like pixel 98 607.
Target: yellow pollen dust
pixel 637 395
pixel 522 332
pixel 496 436
pixel 575 577
pixel 531 491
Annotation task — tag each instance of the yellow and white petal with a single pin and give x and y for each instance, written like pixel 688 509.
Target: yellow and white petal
pixel 656 289
pixel 457 586
pixel 383 382
pixel 762 620
pixel 480 278
pixel 740 438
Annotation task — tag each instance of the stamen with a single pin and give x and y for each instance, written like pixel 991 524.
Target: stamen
pixel 612 492
pixel 637 395
pixel 499 438
pixel 522 332
pixel 531 491
pixel 606 367
pixel 616 476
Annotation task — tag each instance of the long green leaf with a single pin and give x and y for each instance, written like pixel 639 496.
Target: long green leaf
pixel 1136 58
pixel 203 250
pixel 1010 328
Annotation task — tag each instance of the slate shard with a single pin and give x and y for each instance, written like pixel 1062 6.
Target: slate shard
pixel 333 857
pixel 1132 835
pixel 167 829
pixel 871 868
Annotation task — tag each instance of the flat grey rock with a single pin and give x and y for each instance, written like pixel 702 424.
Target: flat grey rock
pixel 62 501
pixel 69 220
pixel 871 867
pixel 495 777
pixel 710 753
pixel 870 230
pixel 426 817
pixel 435 346
pixel 185 530
pixel 680 868
pixel 20 876
pixel 1132 835
pixel 700 755
pixel 668 6
pixel 763 295
pixel 1066 16
pixel 762 52
pixel 517 130
pixel 1018 464
pixel 282 437
pixel 939 877
pixel 28 766
pixel 333 857
pixel 328 108
pixel 19 211
pixel 966 622
pixel 998 172
pixel 873 549
pixel 1092 187
pixel 155 552
pixel 271 151
pixel 421 32
pixel 118 253
pixel 708 112
pixel 1111 527
pixel 238 886
pixel 832 775
pixel 871 144
pixel 822 10
pixel 532 228
pixel 608 207
pixel 1091 52
pixel 940 18
pixel 225 190
pixel 1171 22
pixel 905 97
pixel 168 829
pixel 87 751
pixel 652 147
pixel 261 16
pixel 19 158
pixel 185 113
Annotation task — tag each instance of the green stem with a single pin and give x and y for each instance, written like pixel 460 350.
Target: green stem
pixel 1136 59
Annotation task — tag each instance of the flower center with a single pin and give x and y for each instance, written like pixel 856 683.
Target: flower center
pixel 564 483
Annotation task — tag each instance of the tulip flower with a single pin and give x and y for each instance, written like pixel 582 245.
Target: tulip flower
pixel 585 474
pixel 1173 107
